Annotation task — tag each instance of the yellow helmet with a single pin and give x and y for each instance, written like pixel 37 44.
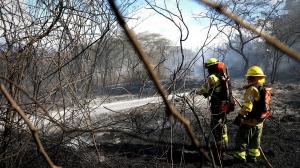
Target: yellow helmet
pixel 255 71
pixel 211 61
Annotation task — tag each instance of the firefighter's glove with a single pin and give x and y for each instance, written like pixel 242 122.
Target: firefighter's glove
pixel 238 120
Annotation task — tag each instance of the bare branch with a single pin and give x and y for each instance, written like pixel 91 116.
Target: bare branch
pixel 270 39
pixel 171 110
pixel 34 130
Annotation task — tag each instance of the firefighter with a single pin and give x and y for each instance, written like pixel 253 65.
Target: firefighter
pixel 216 89
pixel 251 116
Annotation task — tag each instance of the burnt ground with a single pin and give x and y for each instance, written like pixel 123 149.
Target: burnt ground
pixel 280 143
pixel 144 138
pixel 152 147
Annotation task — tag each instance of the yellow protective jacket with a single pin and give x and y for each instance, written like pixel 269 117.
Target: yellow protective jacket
pixel 213 85
pixel 251 94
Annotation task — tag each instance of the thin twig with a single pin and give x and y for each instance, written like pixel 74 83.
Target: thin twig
pixel 34 130
pixel 187 100
pixel 171 110
pixel 270 39
pixel 45 112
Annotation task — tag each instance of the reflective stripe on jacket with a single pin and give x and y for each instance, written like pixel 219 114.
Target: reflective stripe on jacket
pixel 251 95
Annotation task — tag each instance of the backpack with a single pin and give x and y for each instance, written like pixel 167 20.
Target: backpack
pixel 229 104
pixel 261 109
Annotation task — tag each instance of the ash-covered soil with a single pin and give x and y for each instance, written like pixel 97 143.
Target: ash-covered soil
pixel 147 137
pixel 144 137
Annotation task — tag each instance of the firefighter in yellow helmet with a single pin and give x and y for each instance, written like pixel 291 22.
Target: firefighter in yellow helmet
pixel 251 116
pixel 216 89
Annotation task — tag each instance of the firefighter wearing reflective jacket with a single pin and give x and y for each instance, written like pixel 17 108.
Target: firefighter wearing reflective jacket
pixel 255 109
pixel 217 90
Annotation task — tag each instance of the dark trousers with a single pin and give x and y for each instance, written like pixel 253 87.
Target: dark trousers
pixel 218 124
pixel 248 139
